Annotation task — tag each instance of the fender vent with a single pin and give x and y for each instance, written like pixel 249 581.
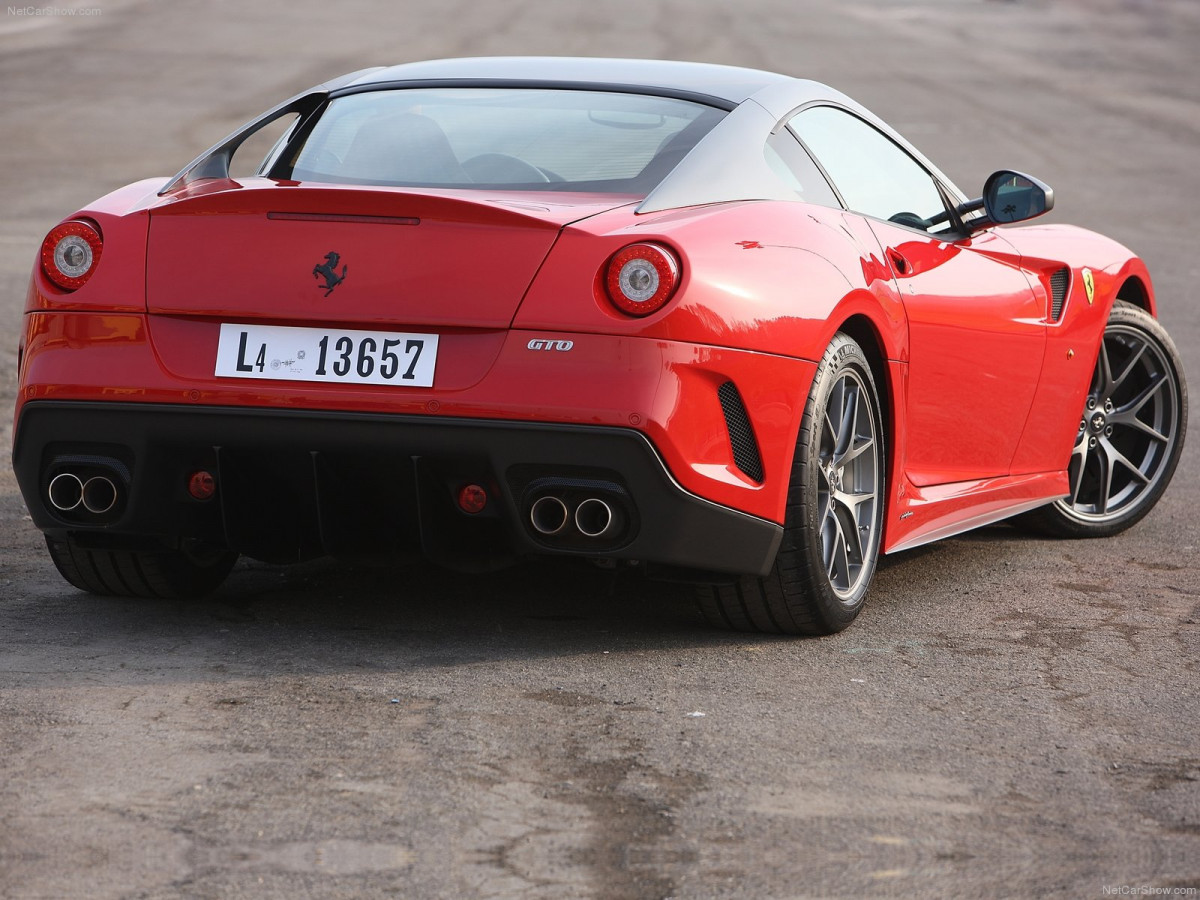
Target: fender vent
pixel 741 435
pixel 1058 292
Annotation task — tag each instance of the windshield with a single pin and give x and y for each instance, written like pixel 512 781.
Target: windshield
pixel 500 138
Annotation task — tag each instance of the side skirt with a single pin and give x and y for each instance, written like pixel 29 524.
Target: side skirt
pixel 920 515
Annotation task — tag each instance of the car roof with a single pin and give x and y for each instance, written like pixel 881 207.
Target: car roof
pixel 726 165
pixel 731 84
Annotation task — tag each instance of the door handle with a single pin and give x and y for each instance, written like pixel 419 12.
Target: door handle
pixel 899 263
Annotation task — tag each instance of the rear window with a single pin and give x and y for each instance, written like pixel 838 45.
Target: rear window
pixel 557 140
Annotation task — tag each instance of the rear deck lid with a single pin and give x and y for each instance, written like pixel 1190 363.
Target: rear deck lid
pixel 262 250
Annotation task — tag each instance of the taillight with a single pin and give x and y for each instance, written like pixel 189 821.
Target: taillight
pixel 641 278
pixel 70 253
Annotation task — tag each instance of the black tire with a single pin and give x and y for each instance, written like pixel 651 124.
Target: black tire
pixel 1130 434
pixel 820 578
pixel 159 574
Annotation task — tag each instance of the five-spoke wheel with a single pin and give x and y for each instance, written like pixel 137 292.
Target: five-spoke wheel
pixel 834 512
pixel 1130 434
pixel 848 484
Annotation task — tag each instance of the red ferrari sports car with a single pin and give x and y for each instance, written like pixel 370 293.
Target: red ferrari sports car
pixel 714 323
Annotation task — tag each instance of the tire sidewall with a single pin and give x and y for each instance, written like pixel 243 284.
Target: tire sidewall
pixel 804 538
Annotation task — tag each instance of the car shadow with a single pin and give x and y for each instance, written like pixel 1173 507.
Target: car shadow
pixel 327 617
pixel 330 617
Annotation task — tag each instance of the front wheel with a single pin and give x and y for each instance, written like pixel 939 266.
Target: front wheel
pixel 1130 434
pixel 834 517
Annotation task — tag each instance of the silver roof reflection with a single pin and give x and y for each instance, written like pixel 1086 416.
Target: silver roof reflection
pixel 727 164
pixel 730 84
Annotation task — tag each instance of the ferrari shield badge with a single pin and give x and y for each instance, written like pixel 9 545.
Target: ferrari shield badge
pixel 1089 285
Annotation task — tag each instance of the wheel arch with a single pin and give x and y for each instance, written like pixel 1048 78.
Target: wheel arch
pixel 1130 281
pixel 868 336
pixel 863 330
pixel 1134 290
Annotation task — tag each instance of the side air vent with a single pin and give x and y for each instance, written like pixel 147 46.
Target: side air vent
pixel 741 435
pixel 1058 292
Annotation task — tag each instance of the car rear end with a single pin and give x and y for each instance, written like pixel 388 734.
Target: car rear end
pixel 422 329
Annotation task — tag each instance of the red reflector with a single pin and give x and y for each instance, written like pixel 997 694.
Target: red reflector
pixel 472 498
pixel 201 485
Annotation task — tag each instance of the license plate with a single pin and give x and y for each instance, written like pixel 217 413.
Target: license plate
pixel 284 353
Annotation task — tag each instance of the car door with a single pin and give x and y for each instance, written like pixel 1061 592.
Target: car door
pixel 976 328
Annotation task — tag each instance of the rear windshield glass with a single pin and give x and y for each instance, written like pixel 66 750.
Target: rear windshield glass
pixel 557 140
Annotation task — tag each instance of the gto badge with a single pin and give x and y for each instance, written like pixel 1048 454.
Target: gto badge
pixel 1089 284
pixel 539 344
pixel 328 271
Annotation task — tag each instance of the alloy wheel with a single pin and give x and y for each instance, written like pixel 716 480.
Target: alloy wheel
pixel 848 485
pixel 1129 427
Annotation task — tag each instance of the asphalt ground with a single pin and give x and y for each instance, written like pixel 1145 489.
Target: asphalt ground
pixel 1010 716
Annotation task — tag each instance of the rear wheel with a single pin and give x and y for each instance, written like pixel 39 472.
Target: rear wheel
pixel 162 574
pixel 834 513
pixel 1130 434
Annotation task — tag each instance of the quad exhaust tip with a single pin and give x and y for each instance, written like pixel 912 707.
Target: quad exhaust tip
pixel 67 492
pixel 549 515
pixel 99 495
pixel 594 518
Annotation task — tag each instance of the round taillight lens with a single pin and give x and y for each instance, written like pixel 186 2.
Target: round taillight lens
pixel 641 278
pixel 70 253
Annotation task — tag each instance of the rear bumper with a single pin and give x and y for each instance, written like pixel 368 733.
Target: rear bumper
pixel 293 484
pixel 669 391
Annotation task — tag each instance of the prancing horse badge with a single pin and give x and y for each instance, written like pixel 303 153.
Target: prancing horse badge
pixel 328 271
pixel 1089 284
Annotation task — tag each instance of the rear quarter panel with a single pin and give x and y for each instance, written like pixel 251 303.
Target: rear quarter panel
pixel 773 277
pixel 119 281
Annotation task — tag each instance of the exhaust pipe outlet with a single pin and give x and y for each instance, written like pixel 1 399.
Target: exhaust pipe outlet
pixel 99 494
pixel 594 518
pixel 65 491
pixel 548 515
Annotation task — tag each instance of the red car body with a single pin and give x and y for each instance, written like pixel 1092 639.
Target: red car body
pixel 982 359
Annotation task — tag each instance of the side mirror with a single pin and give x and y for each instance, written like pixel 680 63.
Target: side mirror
pixel 1014 197
pixel 1008 197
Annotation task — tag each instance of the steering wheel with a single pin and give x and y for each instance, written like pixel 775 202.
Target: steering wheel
pixel 912 220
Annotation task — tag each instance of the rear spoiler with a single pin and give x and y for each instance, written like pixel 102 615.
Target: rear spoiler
pixel 214 162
